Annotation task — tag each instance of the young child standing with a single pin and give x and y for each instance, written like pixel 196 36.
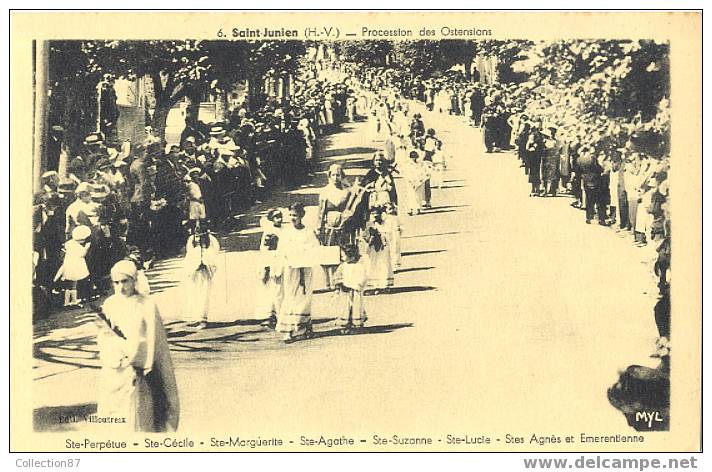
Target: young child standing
pixel 74 268
pixel 269 300
pixel 415 175
pixel 352 281
pixel 379 269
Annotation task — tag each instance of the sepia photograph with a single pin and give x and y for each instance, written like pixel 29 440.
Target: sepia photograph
pixel 252 242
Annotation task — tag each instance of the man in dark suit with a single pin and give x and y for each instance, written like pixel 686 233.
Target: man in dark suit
pixel 591 172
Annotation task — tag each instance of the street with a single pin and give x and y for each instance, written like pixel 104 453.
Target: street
pixel 509 314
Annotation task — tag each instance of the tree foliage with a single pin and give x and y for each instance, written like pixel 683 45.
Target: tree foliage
pixel 187 68
pixel 368 53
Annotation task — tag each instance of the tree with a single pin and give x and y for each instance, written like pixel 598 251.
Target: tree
pixel 176 69
pixel 424 57
pixel 507 53
pixel 368 53
pixel 180 69
pixel 73 92
pixel 606 84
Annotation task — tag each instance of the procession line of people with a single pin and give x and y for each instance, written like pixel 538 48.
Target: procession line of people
pixel 148 197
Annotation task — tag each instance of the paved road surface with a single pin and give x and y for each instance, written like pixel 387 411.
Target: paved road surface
pixel 509 315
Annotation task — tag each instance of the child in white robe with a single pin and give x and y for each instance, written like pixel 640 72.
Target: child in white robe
pixel 271 274
pixel 415 175
pixel 379 268
pixel 74 268
pixel 353 278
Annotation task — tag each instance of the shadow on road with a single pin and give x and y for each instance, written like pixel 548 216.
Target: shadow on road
pixel 444 207
pixel 379 329
pixel 412 269
pixel 77 352
pixel 431 212
pixel 434 234
pixel 413 288
pixel 420 253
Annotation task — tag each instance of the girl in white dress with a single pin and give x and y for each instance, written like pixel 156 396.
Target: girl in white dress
pixel 269 299
pixel 353 280
pixel 74 268
pixel 415 175
pixel 200 265
pixel 379 268
pixel 294 319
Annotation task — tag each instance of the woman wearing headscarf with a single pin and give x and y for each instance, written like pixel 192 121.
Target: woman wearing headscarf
pixel 380 183
pixel 137 383
pixel 294 319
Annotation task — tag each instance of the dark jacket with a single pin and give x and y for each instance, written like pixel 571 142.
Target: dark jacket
pixel 590 171
pixel 371 177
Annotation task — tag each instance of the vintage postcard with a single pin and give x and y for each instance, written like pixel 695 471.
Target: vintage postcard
pixel 356 231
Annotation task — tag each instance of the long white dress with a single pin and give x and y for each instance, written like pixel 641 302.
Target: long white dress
pixel 294 317
pixel 200 265
pixel 379 268
pixel 75 267
pixel 439 166
pixel 271 288
pixel 415 175
pixel 353 278
pixel 137 385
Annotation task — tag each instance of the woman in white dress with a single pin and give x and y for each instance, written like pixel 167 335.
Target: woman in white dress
pixel 137 385
pixel 415 175
pixel 200 265
pixel 294 319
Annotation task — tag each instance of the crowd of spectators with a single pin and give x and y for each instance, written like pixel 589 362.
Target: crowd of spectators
pixel 614 168
pixel 621 180
pixel 145 198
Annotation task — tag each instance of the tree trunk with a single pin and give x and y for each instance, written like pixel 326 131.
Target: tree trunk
pixel 40 110
pixel 160 116
pixel 468 69
pixel 221 106
pixel 193 107
pixel 254 91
